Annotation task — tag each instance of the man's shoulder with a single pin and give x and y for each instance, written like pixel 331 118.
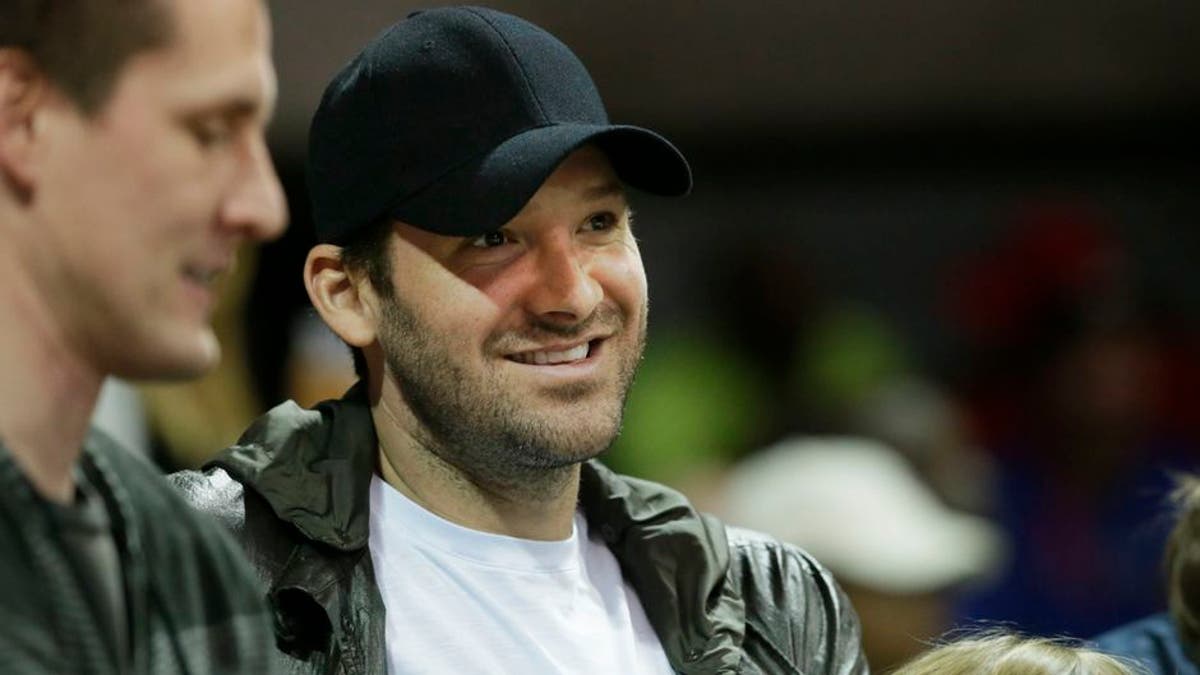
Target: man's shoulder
pixel 1155 626
pixel 754 552
pixel 214 493
pixel 145 492
pixel 763 552
pixel 168 526
pixel 751 552
pixel 205 590
pixel 759 562
pixel 793 605
pixel 265 540
pixel 789 612
pixel 1152 641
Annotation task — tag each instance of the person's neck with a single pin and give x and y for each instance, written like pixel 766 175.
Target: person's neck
pixel 540 509
pixel 47 390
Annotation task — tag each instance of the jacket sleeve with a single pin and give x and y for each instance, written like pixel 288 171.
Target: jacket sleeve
pixel 797 616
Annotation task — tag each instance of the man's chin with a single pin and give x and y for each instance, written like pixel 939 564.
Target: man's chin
pixel 172 360
pixel 576 444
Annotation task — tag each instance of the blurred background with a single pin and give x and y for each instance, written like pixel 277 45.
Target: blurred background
pixel 939 263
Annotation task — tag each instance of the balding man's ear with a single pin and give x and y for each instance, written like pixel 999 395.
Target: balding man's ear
pixel 22 89
pixel 348 305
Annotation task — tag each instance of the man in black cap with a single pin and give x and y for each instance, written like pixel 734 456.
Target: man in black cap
pixel 446 515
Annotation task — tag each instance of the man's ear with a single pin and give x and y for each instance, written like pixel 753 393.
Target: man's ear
pixel 348 305
pixel 23 88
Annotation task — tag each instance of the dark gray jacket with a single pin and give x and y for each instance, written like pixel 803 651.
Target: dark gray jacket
pixel 295 492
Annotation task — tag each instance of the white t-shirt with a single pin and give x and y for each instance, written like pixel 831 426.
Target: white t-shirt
pixel 463 601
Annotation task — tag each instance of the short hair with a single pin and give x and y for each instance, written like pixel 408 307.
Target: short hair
pixel 368 252
pixel 1003 653
pixel 1183 564
pixel 82 45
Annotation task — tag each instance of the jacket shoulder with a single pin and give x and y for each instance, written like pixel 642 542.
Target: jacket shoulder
pixel 215 493
pixel 794 607
pixel 265 540
pixel 150 497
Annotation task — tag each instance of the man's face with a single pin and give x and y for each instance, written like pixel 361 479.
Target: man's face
pixel 143 203
pixel 514 350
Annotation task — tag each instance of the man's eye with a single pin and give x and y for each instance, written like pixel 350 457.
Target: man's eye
pixel 598 222
pixel 211 132
pixel 489 239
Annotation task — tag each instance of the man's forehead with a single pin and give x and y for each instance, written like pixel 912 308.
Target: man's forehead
pixel 218 55
pixel 218 25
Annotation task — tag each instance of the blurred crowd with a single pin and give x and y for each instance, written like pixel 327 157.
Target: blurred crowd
pixel 1022 485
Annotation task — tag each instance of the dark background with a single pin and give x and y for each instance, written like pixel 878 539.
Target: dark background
pixel 878 143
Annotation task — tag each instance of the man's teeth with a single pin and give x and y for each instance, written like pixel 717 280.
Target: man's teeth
pixel 552 358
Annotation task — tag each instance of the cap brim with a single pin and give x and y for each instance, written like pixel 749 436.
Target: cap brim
pixel 486 193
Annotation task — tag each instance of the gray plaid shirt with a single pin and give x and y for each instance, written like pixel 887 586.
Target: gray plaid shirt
pixel 194 605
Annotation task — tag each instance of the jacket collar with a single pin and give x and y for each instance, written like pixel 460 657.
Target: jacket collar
pixel 678 561
pixel 314 468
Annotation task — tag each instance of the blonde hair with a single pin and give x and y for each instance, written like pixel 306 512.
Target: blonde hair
pixel 1183 564
pixel 999 653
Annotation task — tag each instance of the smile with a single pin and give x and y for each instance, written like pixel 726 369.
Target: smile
pixel 555 356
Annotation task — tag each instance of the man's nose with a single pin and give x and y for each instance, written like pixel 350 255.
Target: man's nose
pixel 563 288
pixel 256 205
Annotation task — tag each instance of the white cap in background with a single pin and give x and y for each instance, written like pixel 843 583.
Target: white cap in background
pixel 858 507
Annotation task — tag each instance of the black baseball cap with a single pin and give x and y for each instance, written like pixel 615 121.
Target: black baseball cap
pixel 451 119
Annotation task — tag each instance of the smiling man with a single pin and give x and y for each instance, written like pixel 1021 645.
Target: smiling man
pixel 132 165
pixel 446 515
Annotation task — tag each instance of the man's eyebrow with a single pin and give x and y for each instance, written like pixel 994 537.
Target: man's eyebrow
pixel 239 103
pixel 250 106
pixel 241 107
pixel 230 110
pixel 605 190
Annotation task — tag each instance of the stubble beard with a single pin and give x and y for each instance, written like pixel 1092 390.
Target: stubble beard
pixel 478 423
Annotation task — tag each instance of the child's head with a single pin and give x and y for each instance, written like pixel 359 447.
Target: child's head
pixel 1008 654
